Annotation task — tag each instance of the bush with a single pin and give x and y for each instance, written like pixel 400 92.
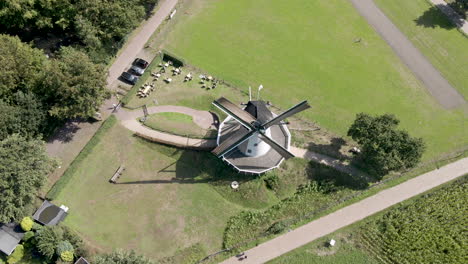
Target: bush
pixel 67 256
pixel 36 226
pixel 272 182
pixel 278 227
pixel 27 223
pixel 28 235
pixel 64 246
pixel 167 56
pixel 17 255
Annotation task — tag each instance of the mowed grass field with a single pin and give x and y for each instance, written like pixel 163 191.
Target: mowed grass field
pixel 434 35
pixel 301 49
pixel 162 203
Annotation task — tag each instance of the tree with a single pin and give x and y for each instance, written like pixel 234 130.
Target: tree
pixel 21 66
pixel 24 166
pixel 121 257
pixel 24 115
pixel 48 239
pixel 74 86
pixel 384 148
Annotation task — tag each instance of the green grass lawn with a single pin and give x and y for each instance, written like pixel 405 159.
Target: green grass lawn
pixel 434 35
pixel 178 124
pixel 318 252
pixel 159 207
pixel 302 49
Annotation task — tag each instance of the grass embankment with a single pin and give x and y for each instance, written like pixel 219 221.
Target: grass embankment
pixel 434 35
pixel 302 49
pixel 178 124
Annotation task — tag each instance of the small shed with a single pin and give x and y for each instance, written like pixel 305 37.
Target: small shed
pixel 10 236
pixel 81 260
pixel 49 214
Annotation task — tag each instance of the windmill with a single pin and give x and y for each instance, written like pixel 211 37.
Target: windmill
pixel 254 139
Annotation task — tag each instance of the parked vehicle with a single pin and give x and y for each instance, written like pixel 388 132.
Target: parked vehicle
pixel 141 63
pixel 128 77
pixel 137 70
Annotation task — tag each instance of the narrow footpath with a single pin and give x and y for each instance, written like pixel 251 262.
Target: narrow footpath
pixel 352 213
pixel 435 83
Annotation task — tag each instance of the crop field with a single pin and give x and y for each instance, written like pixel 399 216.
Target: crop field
pixel 302 49
pixel 430 229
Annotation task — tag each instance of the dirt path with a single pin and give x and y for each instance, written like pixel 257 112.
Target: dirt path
pixel 435 83
pixel 353 213
pixel 69 140
pixel 461 23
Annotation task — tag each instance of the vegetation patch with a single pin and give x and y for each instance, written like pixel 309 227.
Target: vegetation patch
pixel 68 174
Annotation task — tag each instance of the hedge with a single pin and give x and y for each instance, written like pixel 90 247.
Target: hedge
pixel 67 175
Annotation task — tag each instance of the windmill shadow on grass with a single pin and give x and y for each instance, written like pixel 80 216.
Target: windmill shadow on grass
pixel 433 17
pixel 192 167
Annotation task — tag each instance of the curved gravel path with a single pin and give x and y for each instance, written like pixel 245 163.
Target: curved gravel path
pixel 203 119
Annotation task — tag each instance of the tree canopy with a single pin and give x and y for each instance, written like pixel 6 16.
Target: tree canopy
pixel 74 85
pixel 384 148
pixel 24 167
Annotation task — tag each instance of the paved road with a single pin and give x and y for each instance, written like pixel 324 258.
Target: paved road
pixel 461 23
pixel 435 83
pixel 138 42
pixel 353 213
pixel 69 140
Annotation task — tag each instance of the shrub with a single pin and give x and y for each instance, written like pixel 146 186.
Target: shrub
pixel 28 235
pixel 64 246
pixel 27 223
pixel 278 227
pixel 67 256
pixel 36 226
pixel 272 182
pixel 17 255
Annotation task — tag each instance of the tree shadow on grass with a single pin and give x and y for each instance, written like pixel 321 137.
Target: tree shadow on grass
pixel 434 17
pixel 332 149
pixel 326 175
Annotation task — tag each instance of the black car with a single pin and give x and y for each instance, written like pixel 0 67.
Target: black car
pixel 141 63
pixel 128 77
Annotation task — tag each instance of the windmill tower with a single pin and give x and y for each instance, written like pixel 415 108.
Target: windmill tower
pixel 254 139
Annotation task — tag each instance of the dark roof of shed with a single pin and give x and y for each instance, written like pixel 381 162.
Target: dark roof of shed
pixel 81 260
pixel 10 236
pixel 49 214
pixel 259 110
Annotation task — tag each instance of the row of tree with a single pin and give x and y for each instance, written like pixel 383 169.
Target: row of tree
pixel 94 22
pixel 35 92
